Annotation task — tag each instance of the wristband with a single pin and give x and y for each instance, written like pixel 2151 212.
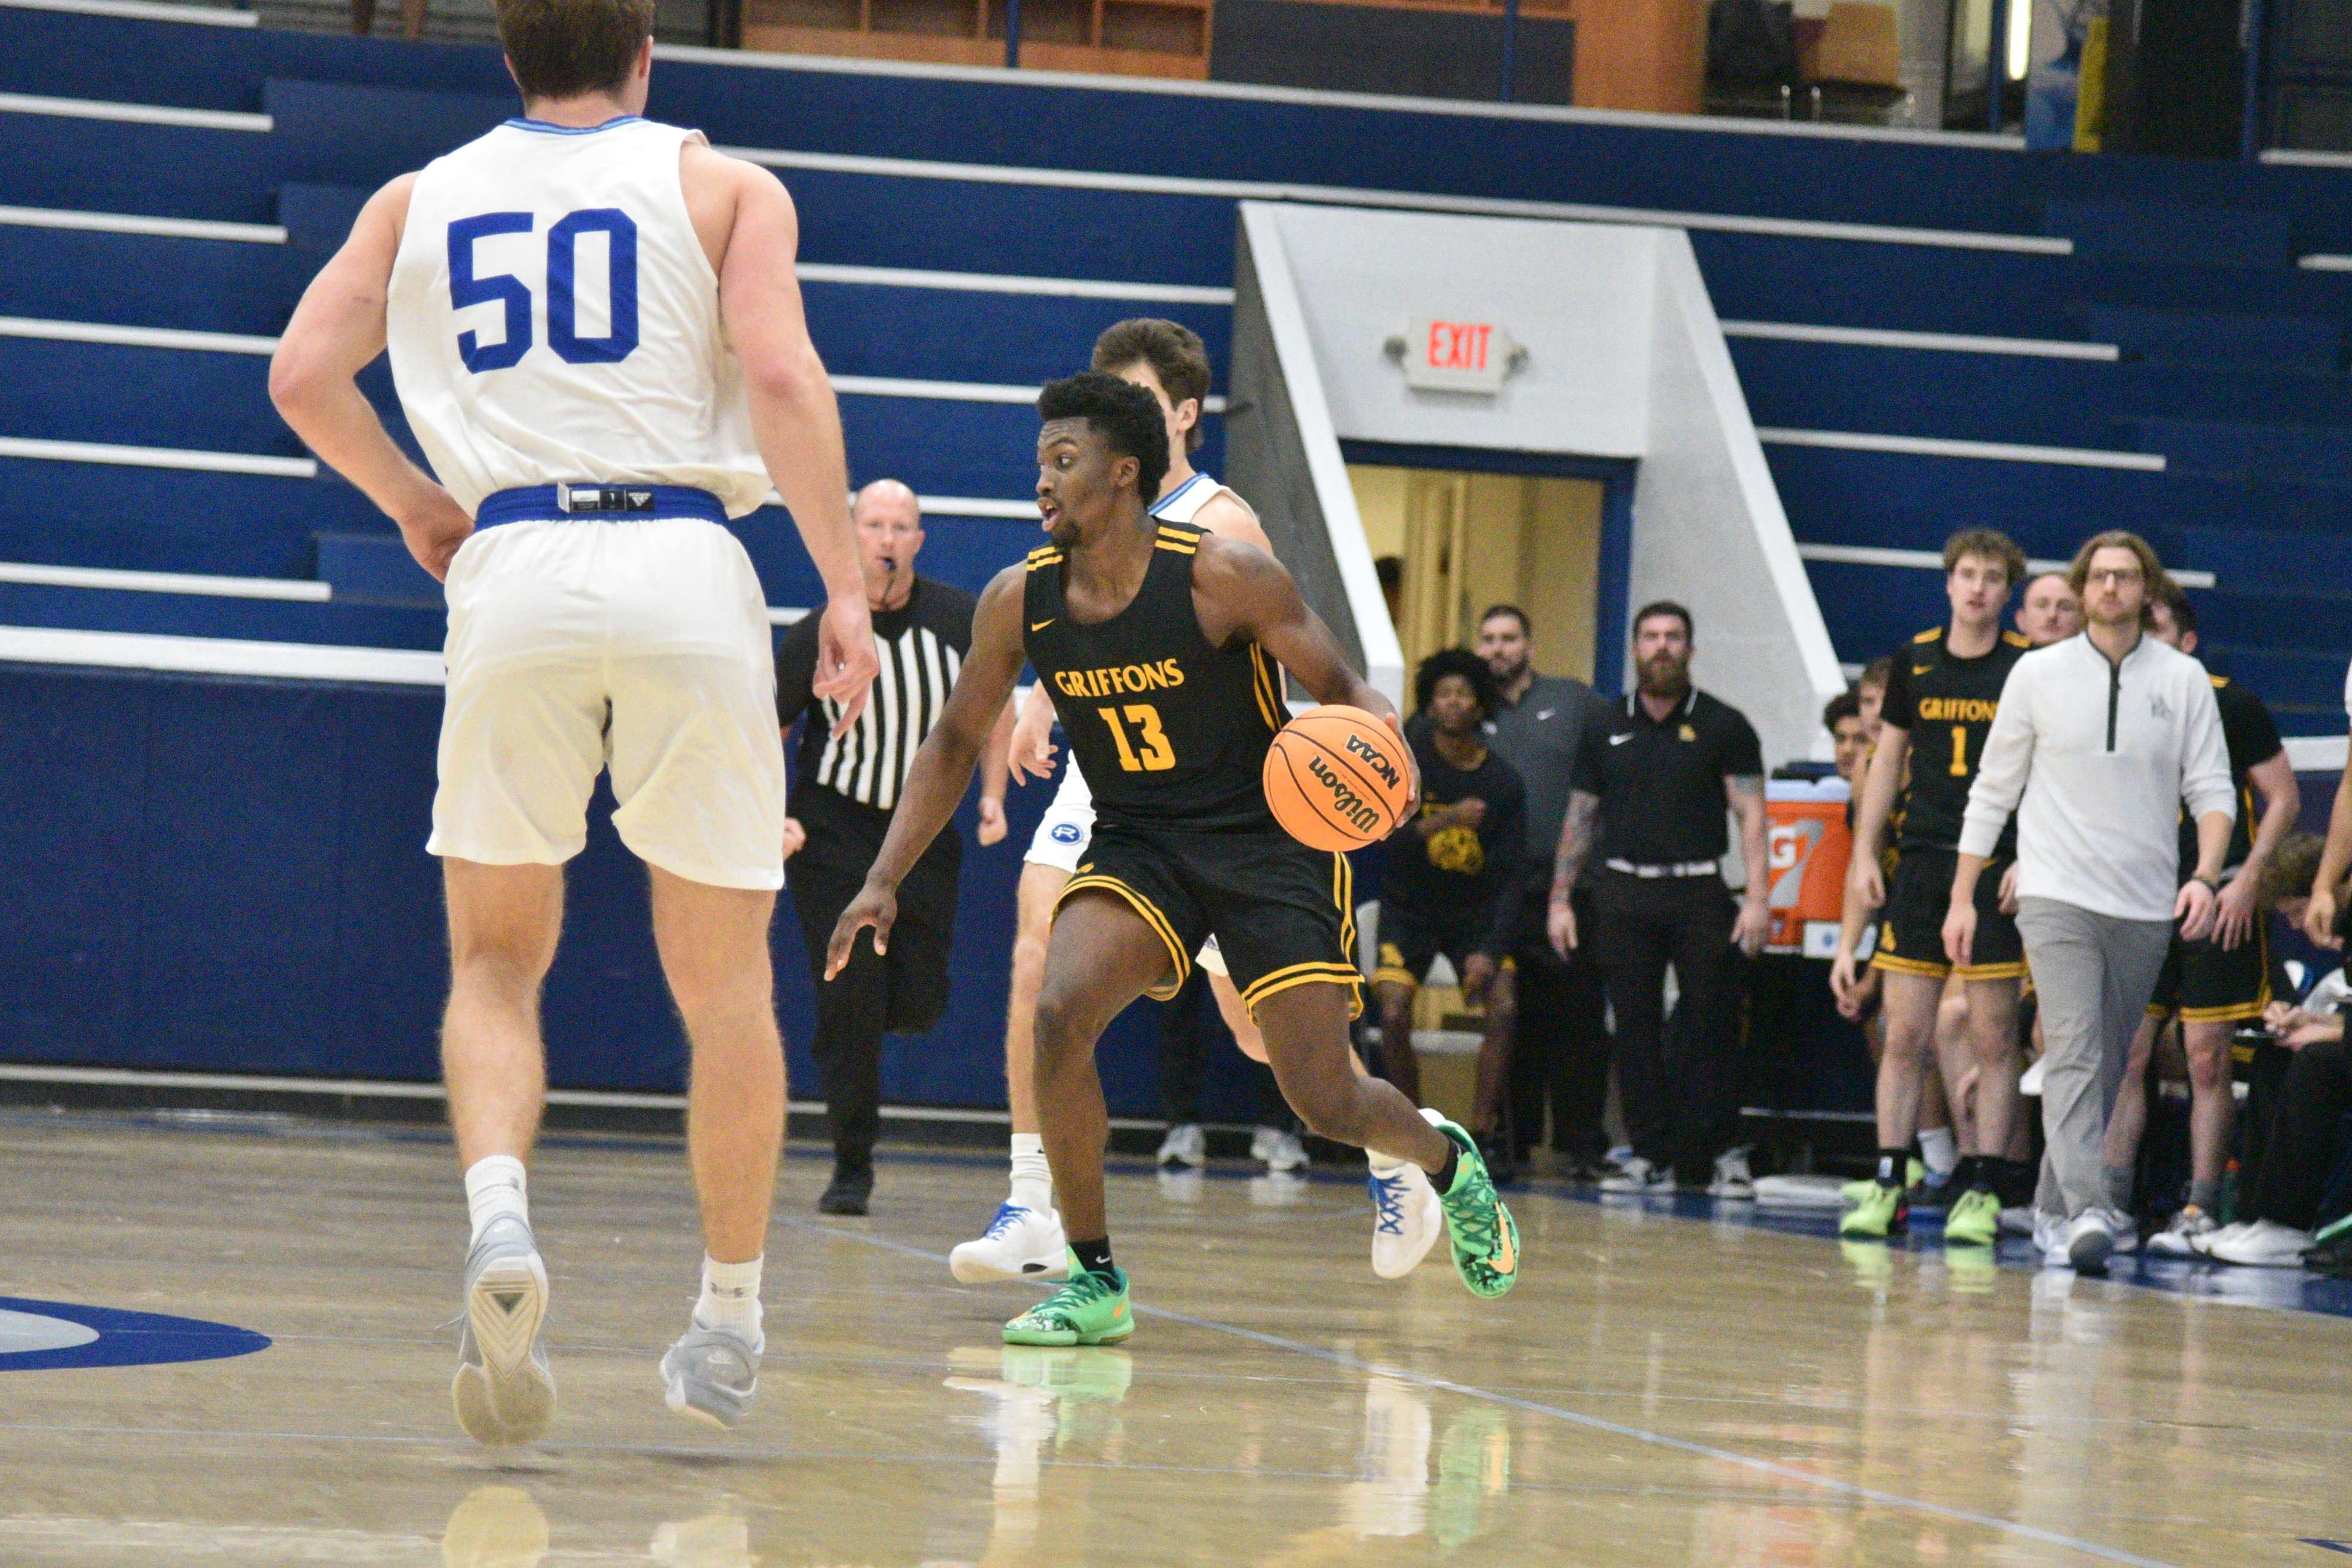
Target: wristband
pixel 2213 882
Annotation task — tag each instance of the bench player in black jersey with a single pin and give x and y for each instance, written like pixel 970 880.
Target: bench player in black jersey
pixel 1159 644
pixel 2224 979
pixel 1941 695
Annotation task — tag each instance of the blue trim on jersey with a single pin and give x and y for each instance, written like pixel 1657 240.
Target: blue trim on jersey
pixel 637 503
pixel 545 129
pixel 1174 496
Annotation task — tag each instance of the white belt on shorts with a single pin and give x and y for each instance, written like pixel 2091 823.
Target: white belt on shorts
pixel 1678 869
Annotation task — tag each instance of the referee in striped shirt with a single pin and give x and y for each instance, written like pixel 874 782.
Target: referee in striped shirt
pixel 844 790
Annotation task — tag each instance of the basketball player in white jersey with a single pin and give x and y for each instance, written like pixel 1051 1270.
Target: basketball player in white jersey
pixel 1025 1238
pixel 597 337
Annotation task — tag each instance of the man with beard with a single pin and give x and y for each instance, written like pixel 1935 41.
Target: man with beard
pixel 1652 777
pixel 1561 1049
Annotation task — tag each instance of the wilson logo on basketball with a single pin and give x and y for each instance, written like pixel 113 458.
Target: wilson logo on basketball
pixel 1337 778
pixel 1345 802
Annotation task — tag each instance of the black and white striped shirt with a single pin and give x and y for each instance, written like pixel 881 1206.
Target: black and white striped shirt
pixel 922 646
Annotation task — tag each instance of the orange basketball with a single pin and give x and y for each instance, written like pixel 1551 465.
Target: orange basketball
pixel 1337 778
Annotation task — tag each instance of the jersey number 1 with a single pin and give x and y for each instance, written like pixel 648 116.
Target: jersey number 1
pixel 1156 755
pixel 620 340
pixel 1960 751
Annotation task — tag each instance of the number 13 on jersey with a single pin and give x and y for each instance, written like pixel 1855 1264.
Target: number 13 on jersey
pixel 1149 753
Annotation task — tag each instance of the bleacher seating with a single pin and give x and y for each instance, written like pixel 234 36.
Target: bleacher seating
pixel 2223 356
pixel 2051 344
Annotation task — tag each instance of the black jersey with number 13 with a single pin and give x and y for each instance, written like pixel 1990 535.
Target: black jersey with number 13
pixel 1946 703
pixel 1170 731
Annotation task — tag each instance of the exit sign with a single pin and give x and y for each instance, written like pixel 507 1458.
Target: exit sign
pixel 1443 354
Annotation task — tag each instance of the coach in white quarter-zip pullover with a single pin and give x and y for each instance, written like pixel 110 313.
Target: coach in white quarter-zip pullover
pixel 2099 741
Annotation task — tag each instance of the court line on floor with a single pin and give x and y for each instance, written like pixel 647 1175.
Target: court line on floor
pixel 511 1468
pixel 1772 1467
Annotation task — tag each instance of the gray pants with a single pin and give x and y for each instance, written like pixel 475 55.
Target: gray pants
pixel 2094 974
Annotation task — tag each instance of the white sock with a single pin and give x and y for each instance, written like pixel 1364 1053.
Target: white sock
pixel 1383 1166
pixel 495 1186
pixel 1938 1150
pixel 730 1297
pixel 1033 1179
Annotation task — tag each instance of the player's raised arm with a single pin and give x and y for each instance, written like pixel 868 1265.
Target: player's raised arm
pixel 337 332
pixel 1241 591
pixel 795 422
pixel 942 768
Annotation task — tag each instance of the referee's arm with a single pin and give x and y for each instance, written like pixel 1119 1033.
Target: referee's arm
pixel 796 672
pixel 942 768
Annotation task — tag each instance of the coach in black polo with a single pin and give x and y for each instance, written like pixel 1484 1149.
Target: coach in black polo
pixel 1654 775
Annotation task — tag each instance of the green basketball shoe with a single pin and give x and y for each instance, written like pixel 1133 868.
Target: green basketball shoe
pixel 1974 1220
pixel 1091 1309
pixel 1485 1238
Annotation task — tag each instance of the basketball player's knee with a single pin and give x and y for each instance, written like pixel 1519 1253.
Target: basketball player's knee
pixel 1029 958
pixel 1062 1034
pixel 2208 1060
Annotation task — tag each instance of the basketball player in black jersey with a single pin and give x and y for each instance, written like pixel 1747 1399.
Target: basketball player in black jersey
pixel 1942 691
pixel 1159 644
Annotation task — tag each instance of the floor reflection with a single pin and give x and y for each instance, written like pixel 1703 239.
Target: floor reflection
pixel 1066 1396
pixel 494 1527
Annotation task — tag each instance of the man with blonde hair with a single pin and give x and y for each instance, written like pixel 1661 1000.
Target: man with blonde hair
pixel 2098 741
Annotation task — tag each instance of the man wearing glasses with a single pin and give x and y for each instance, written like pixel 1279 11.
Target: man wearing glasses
pixel 2098 741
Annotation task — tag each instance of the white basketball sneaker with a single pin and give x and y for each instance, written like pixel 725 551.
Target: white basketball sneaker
pixel 504 1393
pixel 1019 1244
pixel 1406 1219
pixel 1280 1150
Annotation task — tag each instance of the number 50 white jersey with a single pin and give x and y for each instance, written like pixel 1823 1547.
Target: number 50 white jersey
pixel 553 317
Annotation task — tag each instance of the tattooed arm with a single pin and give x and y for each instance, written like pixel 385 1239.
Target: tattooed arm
pixel 1568 865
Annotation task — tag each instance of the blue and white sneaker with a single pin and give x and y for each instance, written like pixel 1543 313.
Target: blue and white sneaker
pixel 1019 1244
pixel 1406 1220
pixel 504 1393
pixel 712 1375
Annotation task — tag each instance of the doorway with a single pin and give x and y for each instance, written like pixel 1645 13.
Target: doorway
pixel 1463 540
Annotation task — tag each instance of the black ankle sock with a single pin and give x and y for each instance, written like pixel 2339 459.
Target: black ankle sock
pixel 1443 1178
pixel 1094 1256
pixel 1893 1164
pixel 2010 1179
pixel 1964 1175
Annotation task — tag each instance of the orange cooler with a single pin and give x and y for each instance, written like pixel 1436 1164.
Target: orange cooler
pixel 1810 843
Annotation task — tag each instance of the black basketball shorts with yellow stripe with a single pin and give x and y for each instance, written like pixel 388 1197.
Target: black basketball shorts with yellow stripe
pixel 1911 929
pixel 1282 914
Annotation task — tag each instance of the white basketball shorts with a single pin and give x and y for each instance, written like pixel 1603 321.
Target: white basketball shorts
pixel 640 645
pixel 1068 827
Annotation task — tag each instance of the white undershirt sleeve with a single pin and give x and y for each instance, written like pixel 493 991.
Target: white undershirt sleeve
pixel 2001 771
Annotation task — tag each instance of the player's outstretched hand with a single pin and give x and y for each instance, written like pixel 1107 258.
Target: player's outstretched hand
pixel 1032 756
pixel 434 532
pixel 874 906
pixel 846 663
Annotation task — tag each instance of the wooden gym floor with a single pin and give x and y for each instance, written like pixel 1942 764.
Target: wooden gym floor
pixel 1660 1389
